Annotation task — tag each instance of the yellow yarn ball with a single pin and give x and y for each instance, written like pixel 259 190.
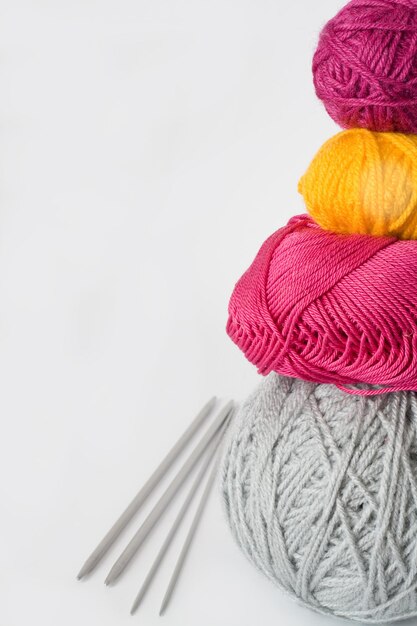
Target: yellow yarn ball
pixel 364 182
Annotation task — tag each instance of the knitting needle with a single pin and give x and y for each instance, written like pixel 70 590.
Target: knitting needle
pixel 180 516
pixel 150 522
pixel 189 538
pixel 145 491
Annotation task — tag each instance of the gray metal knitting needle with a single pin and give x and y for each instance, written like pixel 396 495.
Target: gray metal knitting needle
pixel 151 520
pixel 145 491
pixel 189 538
pixel 177 523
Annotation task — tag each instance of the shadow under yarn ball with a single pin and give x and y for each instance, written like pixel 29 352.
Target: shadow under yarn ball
pixel 320 490
pixel 365 66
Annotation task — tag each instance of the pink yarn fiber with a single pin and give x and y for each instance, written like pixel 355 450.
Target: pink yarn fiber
pixel 365 66
pixel 330 308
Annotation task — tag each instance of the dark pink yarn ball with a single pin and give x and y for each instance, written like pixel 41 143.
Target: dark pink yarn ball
pixel 365 65
pixel 330 308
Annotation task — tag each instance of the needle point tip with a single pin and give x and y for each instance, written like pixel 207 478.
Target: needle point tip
pixel 83 572
pixel 87 568
pixel 134 608
pixel 162 609
pixel 111 577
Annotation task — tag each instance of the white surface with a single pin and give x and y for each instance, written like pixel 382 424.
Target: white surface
pixel 147 148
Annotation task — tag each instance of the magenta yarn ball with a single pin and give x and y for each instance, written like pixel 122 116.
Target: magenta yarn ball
pixel 330 308
pixel 365 66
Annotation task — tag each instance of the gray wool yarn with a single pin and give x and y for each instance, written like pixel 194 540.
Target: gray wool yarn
pixel 320 490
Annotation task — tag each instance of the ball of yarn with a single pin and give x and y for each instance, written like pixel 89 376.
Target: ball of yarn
pixel 365 66
pixel 330 308
pixel 320 490
pixel 364 182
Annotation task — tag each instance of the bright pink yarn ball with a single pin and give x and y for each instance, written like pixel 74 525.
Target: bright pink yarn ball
pixel 365 66
pixel 330 308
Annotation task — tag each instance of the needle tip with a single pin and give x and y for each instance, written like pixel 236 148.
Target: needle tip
pixel 83 572
pixel 88 566
pixel 135 606
pixel 112 575
pixel 163 608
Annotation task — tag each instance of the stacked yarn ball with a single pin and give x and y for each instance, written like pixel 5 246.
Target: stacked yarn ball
pixel 320 470
pixel 364 182
pixel 365 66
pixel 330 308
pixel 320 489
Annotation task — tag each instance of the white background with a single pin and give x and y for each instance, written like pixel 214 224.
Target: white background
pixel 147 148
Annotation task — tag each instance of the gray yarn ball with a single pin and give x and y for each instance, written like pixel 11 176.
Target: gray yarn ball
pixel 320 490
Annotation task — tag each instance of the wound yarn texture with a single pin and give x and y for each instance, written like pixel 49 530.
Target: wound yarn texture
pixel 319 476
pixel 330 308
pixel 320 491
pixel 365 66
pixel 364 182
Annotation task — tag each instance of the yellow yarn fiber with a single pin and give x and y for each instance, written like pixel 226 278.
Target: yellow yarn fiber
pixel 364 182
